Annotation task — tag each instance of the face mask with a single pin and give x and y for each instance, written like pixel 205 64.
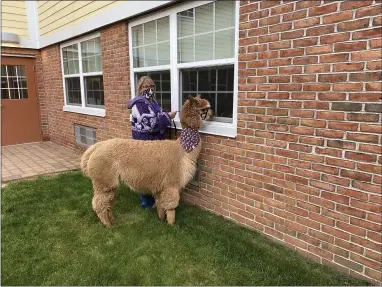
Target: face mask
pixel 149 93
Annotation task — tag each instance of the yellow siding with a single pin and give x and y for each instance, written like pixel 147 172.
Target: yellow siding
pixel 14 18
pixel 56 15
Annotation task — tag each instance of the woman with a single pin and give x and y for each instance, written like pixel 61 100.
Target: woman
pixel 149 121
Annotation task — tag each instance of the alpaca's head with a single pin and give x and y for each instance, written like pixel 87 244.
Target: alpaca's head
pixel 194 111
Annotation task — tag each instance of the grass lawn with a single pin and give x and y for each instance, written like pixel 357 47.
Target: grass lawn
pixel 51 236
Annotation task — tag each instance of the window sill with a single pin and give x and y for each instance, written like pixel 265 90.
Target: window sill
pixel 84 110
pixel 215 128
pixel 212 128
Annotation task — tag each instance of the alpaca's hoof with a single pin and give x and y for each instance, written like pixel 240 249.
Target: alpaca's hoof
pixel 161 213
pixel 112 220
pixel 105 221
pixel 170 216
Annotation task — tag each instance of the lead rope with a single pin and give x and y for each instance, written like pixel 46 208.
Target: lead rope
pixel 174 127
pixel 172 122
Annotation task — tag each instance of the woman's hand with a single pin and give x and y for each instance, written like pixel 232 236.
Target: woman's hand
pixel 172 114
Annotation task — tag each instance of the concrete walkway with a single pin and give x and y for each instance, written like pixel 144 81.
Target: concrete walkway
pixel 32 159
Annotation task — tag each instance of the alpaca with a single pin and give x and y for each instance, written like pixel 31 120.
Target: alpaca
pixel 160 168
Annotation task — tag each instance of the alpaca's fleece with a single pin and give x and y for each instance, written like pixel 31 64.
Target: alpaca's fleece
pixel 161 168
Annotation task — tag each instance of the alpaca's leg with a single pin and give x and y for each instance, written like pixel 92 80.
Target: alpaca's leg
pixel 170 216
pixel 111 216
pixel 169 200
pixel 102 205
pixel 160 210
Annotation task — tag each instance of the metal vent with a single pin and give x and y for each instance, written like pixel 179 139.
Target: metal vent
pixel 10 38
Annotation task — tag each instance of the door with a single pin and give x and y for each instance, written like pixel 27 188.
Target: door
pixel 20 119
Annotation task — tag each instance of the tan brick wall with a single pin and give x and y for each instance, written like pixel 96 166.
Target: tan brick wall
pixel 40 84
pixel 115 63
pixel 305 168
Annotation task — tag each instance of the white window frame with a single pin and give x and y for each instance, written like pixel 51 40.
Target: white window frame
pixel 210 127
pixel 83 109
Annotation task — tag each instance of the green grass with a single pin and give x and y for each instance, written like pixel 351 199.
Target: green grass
pixel 50 236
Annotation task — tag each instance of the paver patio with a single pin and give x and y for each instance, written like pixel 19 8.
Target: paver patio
pixel 32 159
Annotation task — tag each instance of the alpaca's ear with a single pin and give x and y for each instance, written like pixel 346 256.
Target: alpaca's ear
pixel 198 96
pixel 192 99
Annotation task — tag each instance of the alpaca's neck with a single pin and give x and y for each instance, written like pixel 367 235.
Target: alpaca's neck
pixel 189 139
pixel 191 144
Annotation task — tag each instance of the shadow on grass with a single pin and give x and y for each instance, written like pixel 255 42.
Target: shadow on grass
pixel 51 236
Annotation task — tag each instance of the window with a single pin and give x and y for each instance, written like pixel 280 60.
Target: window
pixel 213 84
pixel 206 32
pixel 85 135
pixel 151 43
pixel 82 76
pixel 13 83
pixel 188 50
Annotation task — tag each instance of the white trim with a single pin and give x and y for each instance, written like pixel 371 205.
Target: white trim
pixel 148 18
pixel 33 24
pixel 152 44
pixel 6 70
pixel 174 73
pixel 62 73
pixel 151 69
pixel 213 127
pixel 80 39
pixel 131 61
pixel 85 110
pixel 181 7
pixel 206 33
pixel 209 63
pixel 18 55
pixel 112 15
pixel 83 74
pixel 28 44
pixel 214 33
pixel 72 76
pixel 83 98
pixel 89 74
pixel 193 36
pixel 236 68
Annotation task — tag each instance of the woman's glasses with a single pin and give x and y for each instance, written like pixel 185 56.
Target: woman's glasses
pixel 148 87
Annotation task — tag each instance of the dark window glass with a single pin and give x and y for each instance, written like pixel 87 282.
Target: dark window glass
pixel 94 92
pixel 73 91
pixel 214 84
pixel 4 84
pixel 4 94
pixel 23 93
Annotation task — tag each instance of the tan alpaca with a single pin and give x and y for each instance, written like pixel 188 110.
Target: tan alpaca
pixel 161 168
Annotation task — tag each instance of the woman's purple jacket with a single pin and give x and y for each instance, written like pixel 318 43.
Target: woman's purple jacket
pixel 148 119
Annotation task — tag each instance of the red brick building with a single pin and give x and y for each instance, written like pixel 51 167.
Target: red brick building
pixel 295 151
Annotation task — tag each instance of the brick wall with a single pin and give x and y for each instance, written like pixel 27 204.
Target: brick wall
pixel 305 168
pixel 116 77
pixel 40 85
